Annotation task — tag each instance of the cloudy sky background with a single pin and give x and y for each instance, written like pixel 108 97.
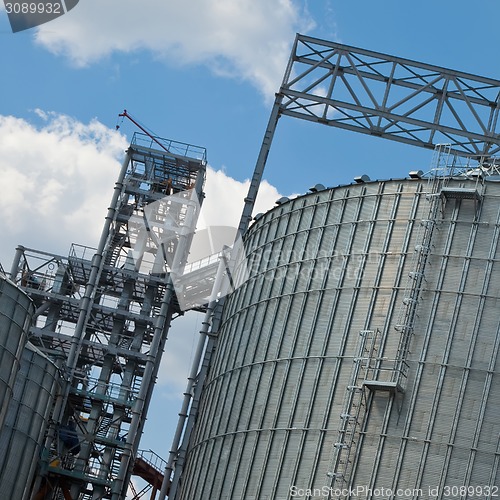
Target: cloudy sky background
pixel 206 74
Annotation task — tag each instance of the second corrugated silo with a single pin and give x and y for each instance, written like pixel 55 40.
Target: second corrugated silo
pixel 16 311
pixel 23 433
pixel 361 354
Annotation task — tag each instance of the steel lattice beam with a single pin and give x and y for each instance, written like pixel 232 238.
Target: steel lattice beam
pixel 391 97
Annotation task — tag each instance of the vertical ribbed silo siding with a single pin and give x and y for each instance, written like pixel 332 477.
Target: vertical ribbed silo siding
pixel 444 411
pixel 22 437
pixel 16 311
pixel 322 268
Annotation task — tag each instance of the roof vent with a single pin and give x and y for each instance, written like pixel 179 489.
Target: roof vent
pixel 362 178
pixel 416 174
pixel 282 200
pixel 316 188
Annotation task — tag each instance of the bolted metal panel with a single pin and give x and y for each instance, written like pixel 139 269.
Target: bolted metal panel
pixel 323 268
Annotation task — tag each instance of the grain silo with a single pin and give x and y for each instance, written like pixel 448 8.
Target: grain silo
pixel 16 311
pixel 360 357
pixel 23 435
pixel 29 381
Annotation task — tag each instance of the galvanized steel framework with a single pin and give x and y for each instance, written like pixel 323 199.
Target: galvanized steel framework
pixel 391 97
pixel 380 95
pixel 325 82
pixel 383 96
pixel 104 315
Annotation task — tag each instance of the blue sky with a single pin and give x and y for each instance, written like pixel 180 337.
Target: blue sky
pixel 204 74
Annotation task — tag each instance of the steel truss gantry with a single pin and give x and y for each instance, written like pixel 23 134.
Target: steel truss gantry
pixel 104 315
pixel 384 96
pixel 391 97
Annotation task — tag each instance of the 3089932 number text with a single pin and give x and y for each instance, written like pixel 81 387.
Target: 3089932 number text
pixel 33 8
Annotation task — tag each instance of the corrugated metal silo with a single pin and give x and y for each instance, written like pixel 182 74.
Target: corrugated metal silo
pixel 362 352
pixel 22 436
pixel 16 311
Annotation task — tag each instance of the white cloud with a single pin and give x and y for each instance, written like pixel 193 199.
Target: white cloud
pixel 229 195
pixel 58 179
pixel 245 39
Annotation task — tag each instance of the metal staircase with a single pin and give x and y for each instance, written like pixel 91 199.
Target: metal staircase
pixel 104 313
pixel 149 466
pixel 371 372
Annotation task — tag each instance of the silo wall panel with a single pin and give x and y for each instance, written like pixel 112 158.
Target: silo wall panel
pixel 323 268
pixel 21 439
pixel 16 311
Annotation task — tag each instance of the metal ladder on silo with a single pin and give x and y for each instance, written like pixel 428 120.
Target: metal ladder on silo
pixel 439 175
pixel 354 409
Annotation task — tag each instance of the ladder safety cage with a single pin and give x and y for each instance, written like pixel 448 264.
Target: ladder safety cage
pixel 365 369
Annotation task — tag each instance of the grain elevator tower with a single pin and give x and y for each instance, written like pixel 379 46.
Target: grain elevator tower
pixel 103 316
